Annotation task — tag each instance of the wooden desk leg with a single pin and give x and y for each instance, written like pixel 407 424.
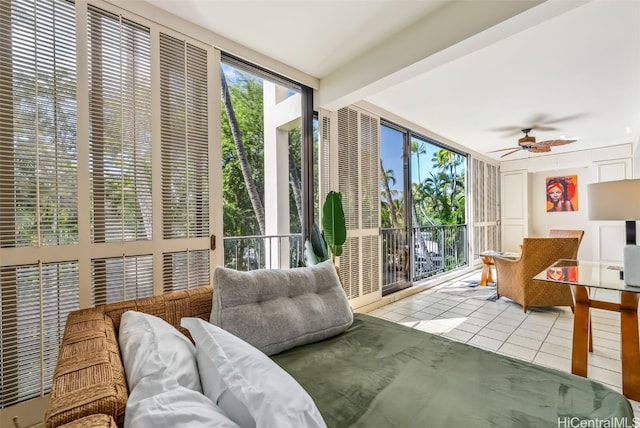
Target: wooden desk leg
pixel 630 345
pixel 581 324
pixel 485 276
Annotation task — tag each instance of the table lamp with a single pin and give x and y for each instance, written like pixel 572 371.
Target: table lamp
pixel 620 200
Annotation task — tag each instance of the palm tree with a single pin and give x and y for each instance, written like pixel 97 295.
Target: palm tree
pixel 447 162
pixel 419 148
pixel 295 180
pixel 254 195
pixel 388 176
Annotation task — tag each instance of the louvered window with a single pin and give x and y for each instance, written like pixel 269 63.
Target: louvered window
pixel 38 124
pixel 38 190
pixel 184 270
pixel 486 208
pixel 36 300
pixel 184 134
pixel 111 248
pixel 119 59
pixel 121 278
pixel 359 162
pixel 324 157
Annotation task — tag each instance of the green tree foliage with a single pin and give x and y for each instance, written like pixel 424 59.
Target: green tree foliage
pixel 438 198
pixel 239 214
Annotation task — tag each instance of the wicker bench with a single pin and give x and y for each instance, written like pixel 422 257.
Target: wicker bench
pixel 89 386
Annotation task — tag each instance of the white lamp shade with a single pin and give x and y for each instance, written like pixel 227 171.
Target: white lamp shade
pixel 614 200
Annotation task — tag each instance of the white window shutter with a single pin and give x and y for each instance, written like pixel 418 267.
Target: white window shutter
pixel 325 119
pixel 357 147
pixel 185 161
pixel 486 212
pixel 38 191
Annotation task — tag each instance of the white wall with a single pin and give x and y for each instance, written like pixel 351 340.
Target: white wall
pixel 602 240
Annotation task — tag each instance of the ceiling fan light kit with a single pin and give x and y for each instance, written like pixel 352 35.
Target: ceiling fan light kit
pixel 524 141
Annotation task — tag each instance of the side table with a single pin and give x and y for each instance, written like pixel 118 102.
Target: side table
pixel 487 262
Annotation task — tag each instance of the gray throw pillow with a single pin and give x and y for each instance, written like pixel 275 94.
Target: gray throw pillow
pixel 278 309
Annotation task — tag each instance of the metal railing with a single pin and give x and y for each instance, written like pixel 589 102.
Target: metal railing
pixel 436 249
pixel 263 251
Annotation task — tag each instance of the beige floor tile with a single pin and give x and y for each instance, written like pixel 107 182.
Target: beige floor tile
pixel 526 342
pixel 458 335
pixel 494 334
pixel 559 340
pixel 404 310
pixel 477 321
pixel 611 364
pixel 500 325
pixel 461 311
pixel 393 316
pixel 516 351
pixel 430 311
pixel 553 361
pixel 603 375
pixel 485 342
pixel 537 335
pixel 559 350
pixel 559 333
pixel 469 327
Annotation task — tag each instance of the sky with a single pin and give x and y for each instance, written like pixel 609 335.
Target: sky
pixel 391 155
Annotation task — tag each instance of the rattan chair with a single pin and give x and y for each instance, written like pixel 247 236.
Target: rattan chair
pixel 573 233
pixel 515 277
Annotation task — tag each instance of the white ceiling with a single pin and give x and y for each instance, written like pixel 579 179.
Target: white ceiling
pixel 474 72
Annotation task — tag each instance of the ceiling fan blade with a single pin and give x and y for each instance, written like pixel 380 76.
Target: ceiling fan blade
pixel 537 122
pixel 502 150
pixel 508 131
pixel 559 142
pixel 544 128
pixel 565 118
pixel 540 149
pixel 512 151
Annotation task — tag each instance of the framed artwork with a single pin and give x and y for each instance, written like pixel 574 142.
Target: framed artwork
pixel 562 193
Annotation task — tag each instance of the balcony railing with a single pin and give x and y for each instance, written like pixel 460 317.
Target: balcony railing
pixel 263 251
pixel 436 249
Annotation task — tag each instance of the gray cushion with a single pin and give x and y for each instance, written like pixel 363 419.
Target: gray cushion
pixel 278 309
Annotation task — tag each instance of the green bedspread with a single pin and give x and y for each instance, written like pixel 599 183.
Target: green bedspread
pixel 382 374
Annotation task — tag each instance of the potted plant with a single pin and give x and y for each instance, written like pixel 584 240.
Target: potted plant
pixel 328 243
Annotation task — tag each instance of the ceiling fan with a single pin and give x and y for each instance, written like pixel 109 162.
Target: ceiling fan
pixel 529 143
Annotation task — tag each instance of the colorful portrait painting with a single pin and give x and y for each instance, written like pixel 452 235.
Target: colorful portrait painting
pixel 562 193
pixel 564 273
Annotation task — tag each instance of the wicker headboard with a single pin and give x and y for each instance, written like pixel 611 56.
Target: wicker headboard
pixel 89 377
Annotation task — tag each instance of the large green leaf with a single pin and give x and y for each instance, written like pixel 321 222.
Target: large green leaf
pixel 310 258
pixel 318 244
pixel 333 223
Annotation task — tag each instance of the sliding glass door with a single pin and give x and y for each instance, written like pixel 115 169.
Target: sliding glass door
pixel 395 230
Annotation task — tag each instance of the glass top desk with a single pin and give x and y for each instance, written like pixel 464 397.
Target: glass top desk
pixel 583 276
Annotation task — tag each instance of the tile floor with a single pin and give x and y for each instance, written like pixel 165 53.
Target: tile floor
pixel 541 336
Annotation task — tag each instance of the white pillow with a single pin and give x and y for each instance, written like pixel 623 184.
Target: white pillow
pixel 234 372
pixel 149 344
pixel 159 401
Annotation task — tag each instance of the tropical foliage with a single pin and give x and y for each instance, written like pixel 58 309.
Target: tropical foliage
pixel 437 199
pixel 243 157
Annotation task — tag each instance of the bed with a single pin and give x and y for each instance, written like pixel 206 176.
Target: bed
pixel 382 374
pixel 359 370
